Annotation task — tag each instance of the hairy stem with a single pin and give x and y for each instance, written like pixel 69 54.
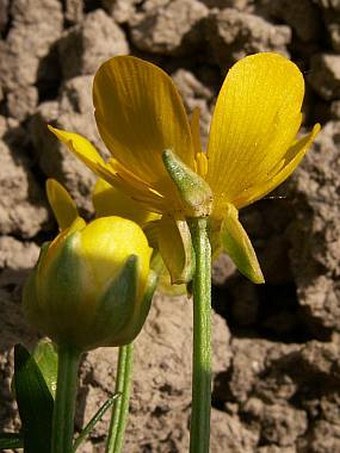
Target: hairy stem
pixel 201 378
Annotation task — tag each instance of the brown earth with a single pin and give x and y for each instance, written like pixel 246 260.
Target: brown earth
pixel 276 346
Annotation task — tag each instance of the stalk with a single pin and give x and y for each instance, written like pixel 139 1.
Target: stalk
pixel 121 406
pixel 64 405
pixel 201 377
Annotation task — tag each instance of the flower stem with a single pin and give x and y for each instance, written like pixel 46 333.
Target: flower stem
pixel 201 377
pixel 121 406
pixel 64 405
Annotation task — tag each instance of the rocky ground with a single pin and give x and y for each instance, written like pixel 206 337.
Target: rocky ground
pixel 276 347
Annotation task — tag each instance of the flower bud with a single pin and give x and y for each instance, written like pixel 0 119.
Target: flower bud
pixel 92 285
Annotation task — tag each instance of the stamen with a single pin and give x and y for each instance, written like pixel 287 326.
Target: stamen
pixel 195 129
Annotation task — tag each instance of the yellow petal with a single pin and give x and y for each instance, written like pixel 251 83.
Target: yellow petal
pixel 85 151
pixel 78 144
pixel 285 168
pixel 63 206
pixel 175 247
pixel 237 244
pixel 139 114
pixel 256 119
pixel 136 188
pixel 112 171
pixel 109 201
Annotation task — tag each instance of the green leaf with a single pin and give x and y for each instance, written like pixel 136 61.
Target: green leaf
pixel 10 441
pixel 46 358
pixel 94 420
pixel 34 401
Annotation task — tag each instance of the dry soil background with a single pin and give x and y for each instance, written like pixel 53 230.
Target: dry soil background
pixel 277 361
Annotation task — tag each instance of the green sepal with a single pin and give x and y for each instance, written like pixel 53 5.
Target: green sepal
pixel 46 357
pixel 11 441
pixel 140 312
pixel 34 400
pixel 116 307
pixel 121 311
pixel 145 304
pixel 237 244
pixel 195 192
pixel 56 280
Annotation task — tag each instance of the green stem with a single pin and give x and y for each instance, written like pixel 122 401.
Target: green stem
pixel 121 407
pixel 65 399
pixel 201 377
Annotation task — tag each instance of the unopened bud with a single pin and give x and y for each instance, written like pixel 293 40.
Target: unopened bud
pixel 92 285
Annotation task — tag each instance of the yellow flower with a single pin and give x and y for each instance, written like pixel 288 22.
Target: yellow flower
pixel 252 144
pixel 92 285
